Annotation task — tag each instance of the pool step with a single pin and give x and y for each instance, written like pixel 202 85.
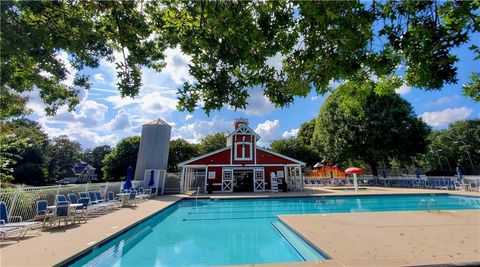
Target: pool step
pixel 301 247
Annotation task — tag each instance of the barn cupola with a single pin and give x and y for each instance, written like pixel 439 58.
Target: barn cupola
pixel 239 122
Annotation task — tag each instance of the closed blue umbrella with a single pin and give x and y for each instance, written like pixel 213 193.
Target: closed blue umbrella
pixel 417 173
pixel 128 182
pixel 459 173
pixel 151 182
pixel 384 174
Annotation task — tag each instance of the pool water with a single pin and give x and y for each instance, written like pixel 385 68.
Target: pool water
pixel 234 232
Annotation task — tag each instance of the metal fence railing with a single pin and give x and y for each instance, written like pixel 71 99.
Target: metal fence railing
pixel 21 201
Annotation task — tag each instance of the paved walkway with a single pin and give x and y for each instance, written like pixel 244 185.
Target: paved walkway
pixel 60 244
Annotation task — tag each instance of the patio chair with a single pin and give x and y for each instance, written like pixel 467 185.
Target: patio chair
pixel 446 184
pixel 416 183
pixel 90 209
pixel 42 212
pixel 153 192
pixel 100 199
pixel 457 186
pixel 60 198
pixel 438 184
pixel 79 212
pixel 141 195
pixel 93 198
pixel 63 212
pixel 111 199
pixel 5 221
pixel 132 198
pixel 473 187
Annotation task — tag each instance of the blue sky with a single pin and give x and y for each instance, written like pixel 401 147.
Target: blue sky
pixel 104 117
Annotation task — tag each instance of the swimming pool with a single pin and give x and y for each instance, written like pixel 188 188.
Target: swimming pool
pixel 240 231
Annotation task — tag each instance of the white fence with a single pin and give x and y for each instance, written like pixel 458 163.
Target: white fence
pixel 21 201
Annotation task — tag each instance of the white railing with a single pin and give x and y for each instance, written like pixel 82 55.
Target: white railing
pixel 21 200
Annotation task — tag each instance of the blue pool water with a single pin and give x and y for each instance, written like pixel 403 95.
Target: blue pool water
pixel 232 232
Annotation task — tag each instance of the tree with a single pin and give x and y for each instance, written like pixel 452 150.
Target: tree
pixel 10 150
pixel 63 154
pixel 95 158
pixel 231 44
pixel 357 123
pixel 456 146
pixel 32 165
pixel 118 160
pixel 179 151
pixel 293 148
pixel 305 133
pixel 213 142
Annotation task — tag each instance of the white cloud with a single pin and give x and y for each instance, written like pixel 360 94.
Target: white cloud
pixel 291 133
pixel 99 77
pixel 177 66
pixel 196 130
pixel 188 117
pixel 404 89
pixel 268 131
pixel 447 100
pixel 315 97
pixel 258 103
pixel 121 121
pixel 446 116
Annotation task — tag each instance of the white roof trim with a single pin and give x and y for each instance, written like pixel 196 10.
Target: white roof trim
pixel 282 156
pixel 239 128
pixel 203 156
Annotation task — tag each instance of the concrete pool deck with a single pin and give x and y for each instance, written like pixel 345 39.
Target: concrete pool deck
pixel 57 245
pixel 393 238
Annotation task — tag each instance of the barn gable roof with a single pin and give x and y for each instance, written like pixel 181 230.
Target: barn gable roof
pixel 244 129
pixel 281 156
pixel 203 156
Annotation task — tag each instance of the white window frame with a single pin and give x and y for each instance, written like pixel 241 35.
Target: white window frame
pixel 242 144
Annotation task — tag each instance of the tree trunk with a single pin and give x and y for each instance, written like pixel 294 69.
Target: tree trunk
pixel 373 166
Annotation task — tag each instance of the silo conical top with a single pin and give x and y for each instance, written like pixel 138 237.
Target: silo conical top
pixel 158 122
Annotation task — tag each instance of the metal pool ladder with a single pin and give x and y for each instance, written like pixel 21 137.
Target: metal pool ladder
pixel 428 203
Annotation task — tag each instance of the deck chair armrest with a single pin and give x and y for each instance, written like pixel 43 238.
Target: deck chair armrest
pixel 14 218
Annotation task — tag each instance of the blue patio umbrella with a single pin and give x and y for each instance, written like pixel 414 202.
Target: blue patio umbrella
pixel 417 173
pixel 459 173
pixel 384 174
pixel 128 182
pixel 151 182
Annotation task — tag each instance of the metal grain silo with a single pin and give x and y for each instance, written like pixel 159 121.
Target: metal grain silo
pixel 153 153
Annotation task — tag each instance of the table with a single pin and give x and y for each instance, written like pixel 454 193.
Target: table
pixel 123 198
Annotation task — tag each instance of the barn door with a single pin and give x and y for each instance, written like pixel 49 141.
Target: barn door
pixel 227 180
pixel 258 180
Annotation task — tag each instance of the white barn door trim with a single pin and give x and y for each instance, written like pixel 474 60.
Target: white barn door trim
pixel 258 180
pixel 227 180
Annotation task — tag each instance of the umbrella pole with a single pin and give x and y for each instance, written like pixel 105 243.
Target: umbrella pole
pixel 355 181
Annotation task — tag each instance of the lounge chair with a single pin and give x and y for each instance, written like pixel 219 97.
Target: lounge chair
pixel 93 198
pixel 5 221
pixel 7 230
pixel 141 194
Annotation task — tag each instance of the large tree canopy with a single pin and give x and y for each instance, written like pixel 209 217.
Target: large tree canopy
pixel 232 45
pixel 118 160
pixel 356 123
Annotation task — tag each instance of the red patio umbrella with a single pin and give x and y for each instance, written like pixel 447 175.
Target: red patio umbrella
pixel 354 171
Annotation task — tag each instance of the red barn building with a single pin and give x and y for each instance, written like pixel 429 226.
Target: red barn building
pixel 241 166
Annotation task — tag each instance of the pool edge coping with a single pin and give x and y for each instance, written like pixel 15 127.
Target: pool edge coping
pixel 102 242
